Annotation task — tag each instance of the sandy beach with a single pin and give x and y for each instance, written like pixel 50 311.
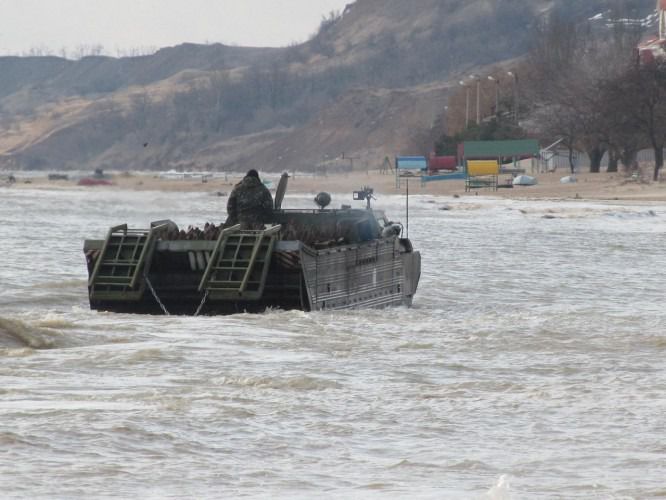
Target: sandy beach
pixel 602 186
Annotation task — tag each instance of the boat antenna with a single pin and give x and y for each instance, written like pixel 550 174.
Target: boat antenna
pixel 407 209
pixel 406 175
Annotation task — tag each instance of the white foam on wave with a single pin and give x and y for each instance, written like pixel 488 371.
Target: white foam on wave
pixel 16 333
pixel 300 383
pixel 501 490
pixel 55 322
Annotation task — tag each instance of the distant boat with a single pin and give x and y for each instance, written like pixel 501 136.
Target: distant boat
pixel 98 178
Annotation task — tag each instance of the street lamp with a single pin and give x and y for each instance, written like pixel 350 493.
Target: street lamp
pixel 466 103
pixel 515 94
pixel 497 94
pixel 478 98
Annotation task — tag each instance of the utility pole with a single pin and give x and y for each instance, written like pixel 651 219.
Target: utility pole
pixel 515 94
pixel 466 103
pixel 478 98
pixel 497 95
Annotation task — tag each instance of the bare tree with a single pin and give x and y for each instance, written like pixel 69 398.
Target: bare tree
pixel 85 50
pixel 649 83
pixel 571 63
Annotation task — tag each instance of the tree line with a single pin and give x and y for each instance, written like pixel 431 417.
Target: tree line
pixel 586 87
pixel 590 89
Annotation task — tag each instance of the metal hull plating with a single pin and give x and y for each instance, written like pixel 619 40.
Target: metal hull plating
pixel 368 275
pixel 373 274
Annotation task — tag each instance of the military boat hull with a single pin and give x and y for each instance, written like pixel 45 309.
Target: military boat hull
pixel 141 271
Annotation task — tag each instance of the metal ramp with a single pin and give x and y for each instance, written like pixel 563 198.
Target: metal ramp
pixel 239 264
pixel 122 262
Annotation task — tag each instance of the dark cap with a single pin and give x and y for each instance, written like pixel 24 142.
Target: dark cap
pixel 252 173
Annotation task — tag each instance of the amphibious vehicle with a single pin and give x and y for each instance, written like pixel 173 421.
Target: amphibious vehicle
pixel 311 260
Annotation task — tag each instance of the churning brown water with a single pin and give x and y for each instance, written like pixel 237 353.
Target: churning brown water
pixel 532 365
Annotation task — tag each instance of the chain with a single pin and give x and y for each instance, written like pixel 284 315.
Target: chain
pixel 203 301
pixel 166 312
pixel 152 290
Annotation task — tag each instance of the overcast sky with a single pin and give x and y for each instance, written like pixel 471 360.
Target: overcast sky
pixel 121 25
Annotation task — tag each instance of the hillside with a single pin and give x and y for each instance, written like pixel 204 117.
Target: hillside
pixel 370 84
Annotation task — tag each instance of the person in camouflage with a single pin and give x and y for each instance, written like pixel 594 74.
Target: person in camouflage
pixel 250 203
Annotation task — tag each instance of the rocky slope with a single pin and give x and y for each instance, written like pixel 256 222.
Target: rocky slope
pixel 372 83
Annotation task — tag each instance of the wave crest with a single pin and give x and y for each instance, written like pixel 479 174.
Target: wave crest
pixel 17 334
pixel 303 383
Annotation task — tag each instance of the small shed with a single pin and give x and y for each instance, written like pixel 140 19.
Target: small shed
pixel 484 161
pixel 504 152
pixel 409 166
pixel 438 163
pixel 482 174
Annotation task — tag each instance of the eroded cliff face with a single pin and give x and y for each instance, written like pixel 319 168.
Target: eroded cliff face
pixel 372 83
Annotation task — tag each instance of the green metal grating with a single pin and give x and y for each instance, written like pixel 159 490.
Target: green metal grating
pixel 239 264
pixel 119 268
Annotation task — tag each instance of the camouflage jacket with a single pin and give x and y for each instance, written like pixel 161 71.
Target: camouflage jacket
pixel 250 204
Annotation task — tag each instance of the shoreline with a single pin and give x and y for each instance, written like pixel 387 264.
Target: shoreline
pixel 593 187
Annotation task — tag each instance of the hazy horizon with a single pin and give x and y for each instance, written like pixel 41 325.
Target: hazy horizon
pixel 130 27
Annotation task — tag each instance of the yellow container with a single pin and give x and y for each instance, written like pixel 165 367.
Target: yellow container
pixel 482 167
